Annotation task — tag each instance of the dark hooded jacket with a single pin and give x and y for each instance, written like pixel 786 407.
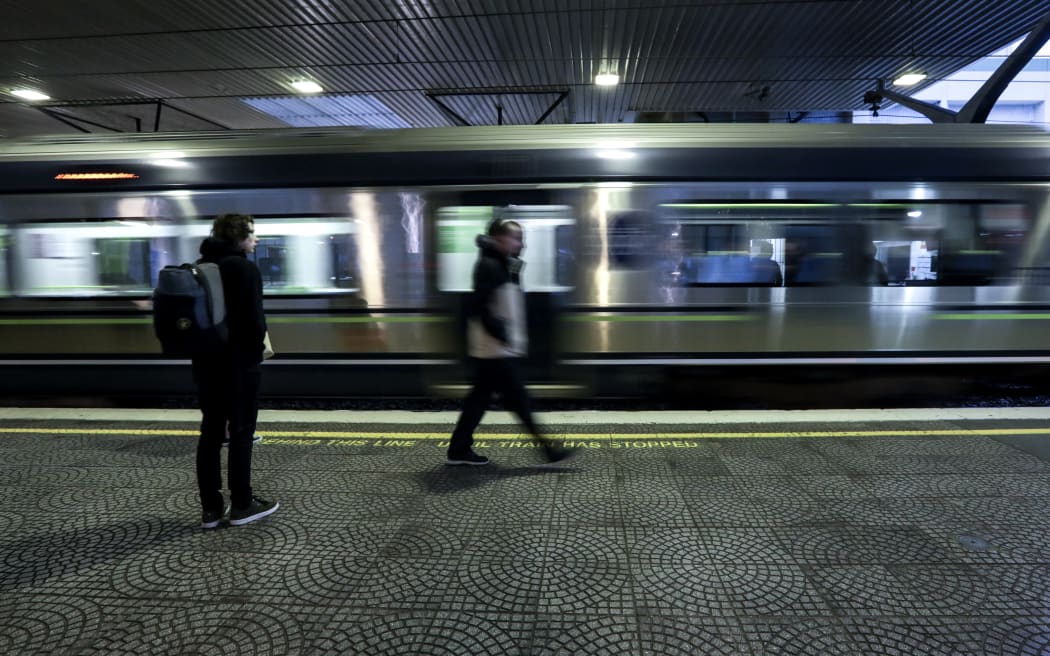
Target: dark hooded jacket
pixel 496 319
pixel 242 288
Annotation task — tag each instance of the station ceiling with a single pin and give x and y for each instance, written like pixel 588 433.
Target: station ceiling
pixel 111 64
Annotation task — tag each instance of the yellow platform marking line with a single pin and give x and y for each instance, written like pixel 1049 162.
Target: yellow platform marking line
pixel 394 434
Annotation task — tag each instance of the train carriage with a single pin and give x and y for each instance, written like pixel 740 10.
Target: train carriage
pixel 657 254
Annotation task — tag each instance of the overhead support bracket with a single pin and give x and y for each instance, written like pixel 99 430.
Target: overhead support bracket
pixel 74 122
pixel 78 122
pixel 446 110
pixel 437 96
pixel 554 105
pixel 977 108
pixel 935 113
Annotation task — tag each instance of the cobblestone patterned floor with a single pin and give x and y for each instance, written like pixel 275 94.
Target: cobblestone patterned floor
pixel 789 546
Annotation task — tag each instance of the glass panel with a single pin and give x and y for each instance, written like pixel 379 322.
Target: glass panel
pixel 344 261
pixel 869 244
pixel 84 259
pixel 565 245
pixel 123 263
pixel 271 256
pixel 298 255
pixel 5 262
pixel 548 251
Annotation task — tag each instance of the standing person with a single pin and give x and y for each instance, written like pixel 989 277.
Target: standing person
pixel 228 379
pixel 765 268
pixel 496 341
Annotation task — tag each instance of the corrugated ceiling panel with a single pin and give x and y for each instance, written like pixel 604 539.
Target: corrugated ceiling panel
pixel 715 55
pixel 207 50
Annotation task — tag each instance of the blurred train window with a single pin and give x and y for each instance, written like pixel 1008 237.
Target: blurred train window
pixel 630 238
pixel 307 255
pixel 91 258
pixel 549 244
pixel 984 243
pixel 899 243
pixel 457 229
pixel 271 256
pixel 565 265
pixel 5 262
pixel 123 263
pixel 343 253
pixel 715 254
pixel 743 244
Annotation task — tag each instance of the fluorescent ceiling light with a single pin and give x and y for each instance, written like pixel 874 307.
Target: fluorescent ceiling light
pixel 30 94
pixel 606 79
pixel 307 86
pixel 909 79
pixel 915 214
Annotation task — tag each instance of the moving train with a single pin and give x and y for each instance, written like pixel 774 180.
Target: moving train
pixel 658 256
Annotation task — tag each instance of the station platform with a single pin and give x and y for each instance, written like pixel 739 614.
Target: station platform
pixel 756 533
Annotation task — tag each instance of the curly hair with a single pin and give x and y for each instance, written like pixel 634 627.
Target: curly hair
pixel 232 227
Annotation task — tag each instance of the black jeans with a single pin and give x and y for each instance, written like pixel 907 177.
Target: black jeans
pixel 491 375
pixel 229 395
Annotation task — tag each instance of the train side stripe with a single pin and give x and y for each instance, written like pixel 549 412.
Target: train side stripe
pixel 979 316
pixel 618 318
pixel 393 434
pixel 73 321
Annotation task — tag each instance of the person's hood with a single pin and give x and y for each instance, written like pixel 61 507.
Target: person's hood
pixel 214 249
pixel 487 243
pixel 488 246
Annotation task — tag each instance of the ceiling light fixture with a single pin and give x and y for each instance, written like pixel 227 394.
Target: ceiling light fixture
pixel 606 79
pixel 30 94
pixel 909 79
pixel 307 86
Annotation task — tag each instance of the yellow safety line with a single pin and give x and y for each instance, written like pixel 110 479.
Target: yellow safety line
pixel 395 435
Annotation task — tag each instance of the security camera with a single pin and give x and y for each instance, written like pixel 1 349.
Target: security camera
pixel 873 98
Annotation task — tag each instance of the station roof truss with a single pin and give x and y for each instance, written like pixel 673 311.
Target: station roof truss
pixel 133 65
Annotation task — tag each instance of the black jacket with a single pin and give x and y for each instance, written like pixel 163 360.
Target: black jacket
pixel 496 314
pixel 242 287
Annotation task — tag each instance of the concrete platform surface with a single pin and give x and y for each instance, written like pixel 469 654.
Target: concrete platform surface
pixel 845 532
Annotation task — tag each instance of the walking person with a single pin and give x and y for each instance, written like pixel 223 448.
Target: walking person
pixel 228 379
pixel 496 341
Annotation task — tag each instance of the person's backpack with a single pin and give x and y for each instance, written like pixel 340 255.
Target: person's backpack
pixel 189 309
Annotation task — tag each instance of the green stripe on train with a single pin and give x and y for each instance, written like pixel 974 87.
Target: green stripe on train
pixel 71 321
pixel 997 316
pixel 618 318
pixel 658 317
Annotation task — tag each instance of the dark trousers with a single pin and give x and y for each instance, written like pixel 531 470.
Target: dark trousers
pixel 229 396
pixel 491 375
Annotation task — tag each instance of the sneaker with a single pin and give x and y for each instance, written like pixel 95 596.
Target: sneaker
pixel 255 439
pixel 468 458
pixel 257 509
pixel 212 518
